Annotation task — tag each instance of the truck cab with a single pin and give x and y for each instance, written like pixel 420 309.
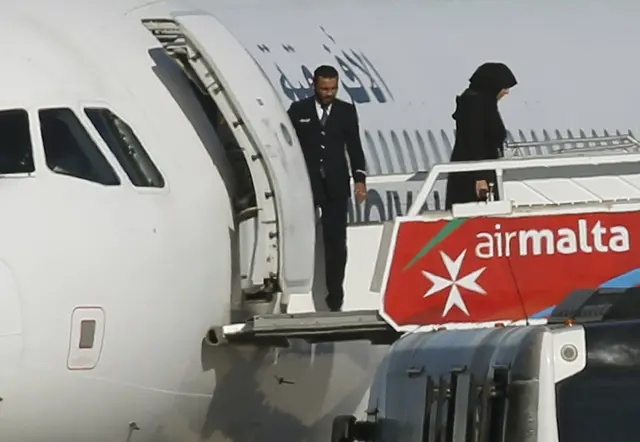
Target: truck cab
pixel 575 378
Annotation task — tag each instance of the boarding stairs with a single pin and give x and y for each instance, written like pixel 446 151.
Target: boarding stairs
pixel 601 174
pixel 595 170
pixel 619 143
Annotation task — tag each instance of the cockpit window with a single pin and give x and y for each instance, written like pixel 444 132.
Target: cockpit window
pixel 16 155
pixel 126 147
pixel 69 150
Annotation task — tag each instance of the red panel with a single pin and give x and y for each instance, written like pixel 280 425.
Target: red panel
pixel 488 269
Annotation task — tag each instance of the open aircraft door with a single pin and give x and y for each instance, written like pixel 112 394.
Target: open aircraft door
pixel 283 232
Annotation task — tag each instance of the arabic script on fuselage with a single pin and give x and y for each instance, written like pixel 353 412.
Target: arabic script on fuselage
pixel 358 75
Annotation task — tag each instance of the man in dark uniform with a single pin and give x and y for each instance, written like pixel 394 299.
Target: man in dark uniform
pixel 325 126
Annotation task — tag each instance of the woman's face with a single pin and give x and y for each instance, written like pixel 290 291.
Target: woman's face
pixel 502 93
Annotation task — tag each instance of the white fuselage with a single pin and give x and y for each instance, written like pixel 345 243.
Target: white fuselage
pixel 153 266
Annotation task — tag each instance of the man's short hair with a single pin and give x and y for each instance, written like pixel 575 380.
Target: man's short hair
pixel 324 71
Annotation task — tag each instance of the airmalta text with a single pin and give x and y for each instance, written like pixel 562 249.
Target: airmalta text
pixel 565 241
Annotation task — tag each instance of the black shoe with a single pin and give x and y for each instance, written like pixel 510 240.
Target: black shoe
pixel 244 202
pixel 246 214
pixel 335 305
pixel 245 207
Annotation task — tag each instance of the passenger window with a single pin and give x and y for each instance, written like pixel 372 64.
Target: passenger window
pixel 389 169
pixel 16 155
pixel 399 154
pixel 373 161
pixel 126 147
pixel 69 150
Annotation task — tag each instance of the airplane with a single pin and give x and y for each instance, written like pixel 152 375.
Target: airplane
pixel 117 192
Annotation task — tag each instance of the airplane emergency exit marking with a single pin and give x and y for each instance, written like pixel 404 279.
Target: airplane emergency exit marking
pixel 468 282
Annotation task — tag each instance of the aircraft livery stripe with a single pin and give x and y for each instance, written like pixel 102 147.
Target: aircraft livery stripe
pixel 398 151
pixel 629 279
pixel 442 234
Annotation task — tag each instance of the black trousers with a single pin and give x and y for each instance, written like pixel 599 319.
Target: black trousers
pixel 334 231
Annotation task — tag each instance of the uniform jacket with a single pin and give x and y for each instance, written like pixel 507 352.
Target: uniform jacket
pixel 327 148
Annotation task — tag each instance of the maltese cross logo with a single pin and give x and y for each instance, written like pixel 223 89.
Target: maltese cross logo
pixel 468 282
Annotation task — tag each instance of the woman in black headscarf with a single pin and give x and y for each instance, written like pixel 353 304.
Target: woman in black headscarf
pixel 480 132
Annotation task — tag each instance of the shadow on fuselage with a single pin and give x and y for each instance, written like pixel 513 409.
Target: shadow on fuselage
pixel 181 90
pixel 277 395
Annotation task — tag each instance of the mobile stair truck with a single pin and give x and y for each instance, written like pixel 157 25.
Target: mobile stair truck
pixel 520 317
pixel 511 320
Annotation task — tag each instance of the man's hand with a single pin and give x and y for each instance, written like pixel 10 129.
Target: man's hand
pixel 361 192
pixel 482 188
